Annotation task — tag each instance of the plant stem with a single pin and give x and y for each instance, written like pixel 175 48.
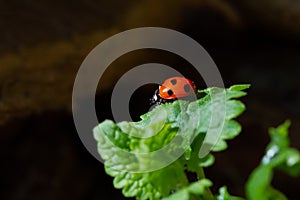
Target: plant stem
pixel 208 194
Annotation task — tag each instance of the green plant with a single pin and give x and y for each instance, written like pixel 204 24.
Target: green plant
pixel 187 123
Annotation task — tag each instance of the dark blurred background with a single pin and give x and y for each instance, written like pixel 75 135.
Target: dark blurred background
pixel 44 42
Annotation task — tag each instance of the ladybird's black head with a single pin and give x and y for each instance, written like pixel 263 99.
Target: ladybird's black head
pixel 156 99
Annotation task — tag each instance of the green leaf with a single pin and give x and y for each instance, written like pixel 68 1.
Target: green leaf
pixel 279 136
pixel 151 185
pixel 234 108
pixel 221 145
pixel 279 155
pixel 195 190
pixel 289 162
pixel 125 165
pixel 224 195
pixel 236 91
pixel 231 129
pixel 148 159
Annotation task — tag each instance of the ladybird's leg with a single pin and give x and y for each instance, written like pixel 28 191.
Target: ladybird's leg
pixel 155 99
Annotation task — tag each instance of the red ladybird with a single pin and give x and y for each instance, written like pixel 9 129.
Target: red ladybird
pixel 172 89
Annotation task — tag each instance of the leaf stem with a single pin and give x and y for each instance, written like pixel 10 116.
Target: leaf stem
pixel 208 194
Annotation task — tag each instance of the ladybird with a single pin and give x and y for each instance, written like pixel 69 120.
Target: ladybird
pixel 172 89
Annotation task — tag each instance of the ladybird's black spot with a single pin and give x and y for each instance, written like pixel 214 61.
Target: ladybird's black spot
pixel 170 92
pixel 173 81
pixel 187 88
